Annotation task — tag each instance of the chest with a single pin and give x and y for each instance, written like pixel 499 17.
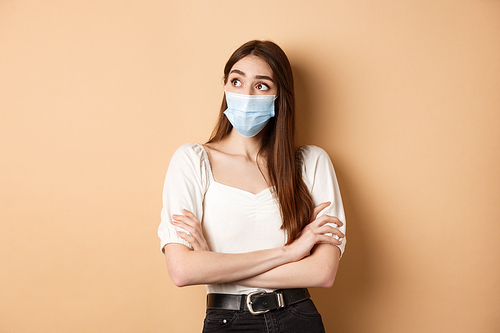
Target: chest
pixel 236 221
pixel 239 173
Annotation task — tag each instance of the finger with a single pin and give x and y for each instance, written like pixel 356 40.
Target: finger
pixel 188 238
pixel 184 219
pixel 319 208
pixel 195 233
pixel 190 215
pixel 183 226
pixel 328 239
pixel 328 219
pixel 184 235
pixel 191 240
pixel 330 230
pixel 179 218
pixel 322 220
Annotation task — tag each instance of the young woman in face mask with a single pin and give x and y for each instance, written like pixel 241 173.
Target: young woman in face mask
pixel 250 215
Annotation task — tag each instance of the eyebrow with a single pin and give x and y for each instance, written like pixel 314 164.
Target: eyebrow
pixel 260 77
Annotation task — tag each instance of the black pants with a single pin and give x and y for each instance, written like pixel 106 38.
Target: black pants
pixel 301 317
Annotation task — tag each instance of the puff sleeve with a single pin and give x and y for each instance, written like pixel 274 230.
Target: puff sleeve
pixel 184 188
pixel 320 178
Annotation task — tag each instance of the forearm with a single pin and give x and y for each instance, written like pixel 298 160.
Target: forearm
pixel 317 270
pixel 187 267
pixel 201 266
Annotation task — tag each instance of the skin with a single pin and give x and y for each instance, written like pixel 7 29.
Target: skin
pixel 309 261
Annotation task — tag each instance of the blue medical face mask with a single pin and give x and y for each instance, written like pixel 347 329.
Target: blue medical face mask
pixel 249 113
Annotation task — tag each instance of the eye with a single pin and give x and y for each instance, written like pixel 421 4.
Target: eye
pixel 236 82
pixel 262 87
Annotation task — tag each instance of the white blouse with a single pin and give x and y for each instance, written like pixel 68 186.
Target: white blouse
pixel 234 220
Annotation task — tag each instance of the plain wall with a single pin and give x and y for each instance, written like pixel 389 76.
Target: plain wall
pixel 95 96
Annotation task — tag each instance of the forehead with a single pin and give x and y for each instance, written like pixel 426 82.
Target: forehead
pixel 252 65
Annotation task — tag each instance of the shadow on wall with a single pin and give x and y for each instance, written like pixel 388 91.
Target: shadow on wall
pixel 346 301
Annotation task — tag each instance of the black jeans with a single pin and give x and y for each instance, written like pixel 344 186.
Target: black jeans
pixel 302 317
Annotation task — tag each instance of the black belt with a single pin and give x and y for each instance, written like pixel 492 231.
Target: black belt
pixel 258 302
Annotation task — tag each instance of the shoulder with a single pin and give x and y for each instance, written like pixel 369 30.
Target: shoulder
pixel 189 153
pixel 190 148
pixel 312 154
pixel 315 163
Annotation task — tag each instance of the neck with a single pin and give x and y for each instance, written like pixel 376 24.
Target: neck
pixel 234 143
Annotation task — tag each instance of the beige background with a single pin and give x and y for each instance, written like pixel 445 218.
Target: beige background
pixel 96 95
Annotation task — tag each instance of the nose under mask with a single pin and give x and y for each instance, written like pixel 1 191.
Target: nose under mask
pixel 249 113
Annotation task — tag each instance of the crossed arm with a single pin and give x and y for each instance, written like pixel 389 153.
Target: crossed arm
pixel 309 261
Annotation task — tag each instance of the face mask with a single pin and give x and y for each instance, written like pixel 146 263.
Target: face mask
pixel 249 113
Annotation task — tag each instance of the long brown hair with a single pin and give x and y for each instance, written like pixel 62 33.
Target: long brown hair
pixel 283 158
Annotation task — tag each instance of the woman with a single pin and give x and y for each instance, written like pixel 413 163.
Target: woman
pixel 272 222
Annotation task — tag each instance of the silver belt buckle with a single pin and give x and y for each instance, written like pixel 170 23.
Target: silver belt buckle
pixel 249 302
pixel 279 299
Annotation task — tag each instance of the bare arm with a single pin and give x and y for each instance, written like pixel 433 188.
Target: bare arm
pixel 201 266
pixel 188 267
pixel 317 270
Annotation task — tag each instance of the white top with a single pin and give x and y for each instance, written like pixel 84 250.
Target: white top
pixel 234 220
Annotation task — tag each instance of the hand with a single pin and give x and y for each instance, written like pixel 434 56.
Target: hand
pixel 191 224
pixel 314 233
